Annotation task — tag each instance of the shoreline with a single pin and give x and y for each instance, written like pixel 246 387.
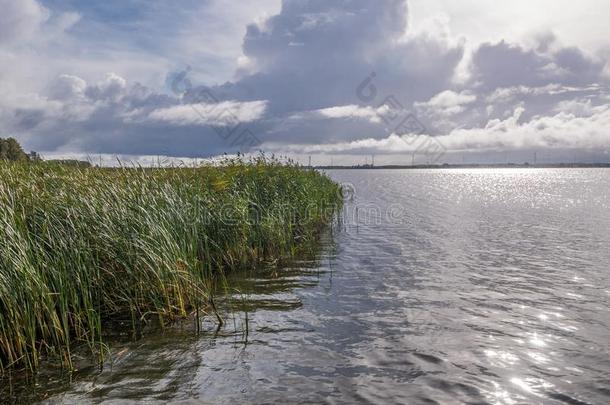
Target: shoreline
pixel 81 247
pixel 472 166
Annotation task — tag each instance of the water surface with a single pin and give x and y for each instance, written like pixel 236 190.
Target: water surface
pixel 443 286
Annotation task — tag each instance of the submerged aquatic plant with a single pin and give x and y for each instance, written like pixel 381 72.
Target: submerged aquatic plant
pixel 82 246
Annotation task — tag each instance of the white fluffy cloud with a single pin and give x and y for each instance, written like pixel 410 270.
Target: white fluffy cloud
pixel 448 102
pixel 20 20
pixel 226 113
pixel 350 112
pixel 560 131
pixel 67 87
pixel 578 23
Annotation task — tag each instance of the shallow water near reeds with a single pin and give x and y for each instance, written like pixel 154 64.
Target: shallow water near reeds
pixel 440 286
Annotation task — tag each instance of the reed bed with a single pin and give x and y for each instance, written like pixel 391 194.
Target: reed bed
pixel 80 247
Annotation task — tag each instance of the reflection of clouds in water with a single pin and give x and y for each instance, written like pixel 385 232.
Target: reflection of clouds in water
pixel 532 352
pixel 424 324
pixel 504 395
pixel 536 386
pixel 500 395
pixel 501 358
pixel 538 357
pixel 537 341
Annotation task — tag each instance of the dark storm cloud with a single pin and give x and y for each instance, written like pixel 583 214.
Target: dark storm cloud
pixel 311 56
pixel 314 54
pixel 110 117
pixel 505 65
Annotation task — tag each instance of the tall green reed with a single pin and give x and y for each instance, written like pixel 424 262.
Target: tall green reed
pixel 82 246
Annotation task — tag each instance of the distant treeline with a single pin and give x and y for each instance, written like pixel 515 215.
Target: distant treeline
pixel 11 150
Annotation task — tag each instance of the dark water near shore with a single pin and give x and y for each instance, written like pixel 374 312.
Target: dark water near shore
pixel 444 286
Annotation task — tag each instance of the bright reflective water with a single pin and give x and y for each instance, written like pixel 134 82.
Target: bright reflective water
pixel 444 286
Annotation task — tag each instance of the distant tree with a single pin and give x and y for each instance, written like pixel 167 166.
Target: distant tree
pixel 70 162
pixel 35 157
pixel 3 150
pixel 11 150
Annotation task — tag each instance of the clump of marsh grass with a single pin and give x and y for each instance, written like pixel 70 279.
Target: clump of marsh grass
pixel 81 246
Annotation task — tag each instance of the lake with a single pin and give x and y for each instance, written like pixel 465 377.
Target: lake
pixel 438 286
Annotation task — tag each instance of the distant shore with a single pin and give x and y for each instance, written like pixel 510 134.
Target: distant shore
pixel 475 166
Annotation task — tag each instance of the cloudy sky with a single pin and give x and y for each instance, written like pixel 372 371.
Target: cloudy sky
pixel 423 80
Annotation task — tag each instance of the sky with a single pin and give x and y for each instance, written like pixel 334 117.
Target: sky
pixel 425 81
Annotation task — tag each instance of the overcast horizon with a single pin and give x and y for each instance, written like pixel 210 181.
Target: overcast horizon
pixel 407 81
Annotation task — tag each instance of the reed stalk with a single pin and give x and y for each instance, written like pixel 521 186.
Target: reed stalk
pixel 80 247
